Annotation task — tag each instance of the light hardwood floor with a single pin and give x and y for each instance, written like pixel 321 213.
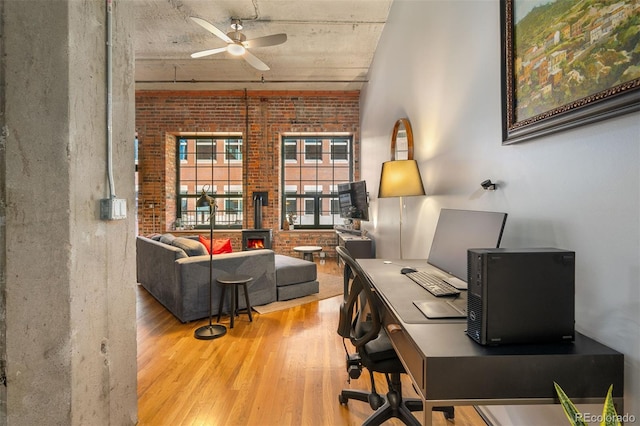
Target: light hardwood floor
pixel 284 368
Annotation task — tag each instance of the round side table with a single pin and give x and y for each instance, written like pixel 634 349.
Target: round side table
pixel 307 251
pixel 235 280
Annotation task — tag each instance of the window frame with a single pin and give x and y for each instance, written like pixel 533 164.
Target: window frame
pixel 296 195
pixel 232 171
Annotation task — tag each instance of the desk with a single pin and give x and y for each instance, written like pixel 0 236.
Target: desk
pixel 448 368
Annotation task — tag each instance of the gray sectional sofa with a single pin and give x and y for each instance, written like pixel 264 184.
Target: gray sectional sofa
pixel 294 277
pixel 175 270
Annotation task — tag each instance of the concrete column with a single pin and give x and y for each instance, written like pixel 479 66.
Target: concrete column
pixel 67 317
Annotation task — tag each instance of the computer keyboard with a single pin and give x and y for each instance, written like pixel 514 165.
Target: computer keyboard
pixel 433 284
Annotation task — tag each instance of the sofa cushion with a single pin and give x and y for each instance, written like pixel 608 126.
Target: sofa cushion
pixel 220 245
pixel 292 270
pixel 191 247
pixel 298 290
pixel 167 238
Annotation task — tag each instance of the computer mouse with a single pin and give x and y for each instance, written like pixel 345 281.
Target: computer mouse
pixel 407 269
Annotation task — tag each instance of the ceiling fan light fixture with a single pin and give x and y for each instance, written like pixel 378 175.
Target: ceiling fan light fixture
pixel 236 49
pixel 237 43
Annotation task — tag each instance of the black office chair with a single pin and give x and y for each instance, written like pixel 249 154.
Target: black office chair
pixel 360 322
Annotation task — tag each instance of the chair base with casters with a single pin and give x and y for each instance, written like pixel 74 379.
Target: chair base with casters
pixel 360 323
pixel 393 406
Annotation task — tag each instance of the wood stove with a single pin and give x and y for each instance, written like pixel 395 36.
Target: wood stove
pixel 256 239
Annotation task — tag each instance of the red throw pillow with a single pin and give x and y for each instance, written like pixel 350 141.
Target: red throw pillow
pixel 219 245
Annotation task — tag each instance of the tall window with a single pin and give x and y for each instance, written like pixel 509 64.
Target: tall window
pixel 211 163
pixel 312 166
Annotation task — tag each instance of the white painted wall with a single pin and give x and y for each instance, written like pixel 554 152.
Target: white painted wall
pixel 438 63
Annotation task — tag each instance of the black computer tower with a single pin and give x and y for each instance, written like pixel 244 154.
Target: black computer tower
pixel 520 295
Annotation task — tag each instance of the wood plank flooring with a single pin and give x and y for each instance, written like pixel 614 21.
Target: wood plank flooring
pixel 284 368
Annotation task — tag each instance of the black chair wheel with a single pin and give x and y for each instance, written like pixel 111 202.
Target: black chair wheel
pixel 375 401
pixel 342 399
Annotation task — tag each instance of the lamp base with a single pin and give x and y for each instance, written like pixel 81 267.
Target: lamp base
pixel 209 332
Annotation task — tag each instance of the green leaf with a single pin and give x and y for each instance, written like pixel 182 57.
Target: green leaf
pixel 609 415
pixel 570 410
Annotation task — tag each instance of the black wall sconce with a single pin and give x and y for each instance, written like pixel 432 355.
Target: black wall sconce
pixel 487 185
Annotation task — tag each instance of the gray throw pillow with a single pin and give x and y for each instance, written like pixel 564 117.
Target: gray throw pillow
pixel 191 247
pixel 167 238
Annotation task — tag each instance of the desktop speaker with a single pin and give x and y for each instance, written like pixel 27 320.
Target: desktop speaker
pixel 520 295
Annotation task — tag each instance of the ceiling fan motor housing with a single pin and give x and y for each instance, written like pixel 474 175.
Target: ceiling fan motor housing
pixel 236 24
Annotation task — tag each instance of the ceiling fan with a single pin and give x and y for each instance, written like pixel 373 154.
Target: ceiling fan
pixel 237 43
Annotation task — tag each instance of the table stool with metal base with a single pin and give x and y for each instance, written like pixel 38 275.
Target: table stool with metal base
pixel 236 281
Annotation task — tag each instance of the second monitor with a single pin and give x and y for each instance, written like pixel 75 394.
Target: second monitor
pixel 352 198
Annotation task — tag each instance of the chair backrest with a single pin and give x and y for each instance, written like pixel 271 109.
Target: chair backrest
pixel 359 315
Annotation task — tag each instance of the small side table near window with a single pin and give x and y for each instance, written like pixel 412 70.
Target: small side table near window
pixel 307 251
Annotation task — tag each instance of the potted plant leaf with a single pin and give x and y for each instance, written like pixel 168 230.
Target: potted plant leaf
pixel 609 416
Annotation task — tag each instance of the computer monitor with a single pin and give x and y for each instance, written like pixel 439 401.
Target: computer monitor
pixel 353 201
pixel 459 230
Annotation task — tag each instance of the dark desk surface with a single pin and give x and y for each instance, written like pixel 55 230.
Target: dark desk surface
pixel 447 365
pixel 400 291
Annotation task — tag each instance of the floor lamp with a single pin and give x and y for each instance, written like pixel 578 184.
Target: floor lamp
pixel 210 331
pixel 400 178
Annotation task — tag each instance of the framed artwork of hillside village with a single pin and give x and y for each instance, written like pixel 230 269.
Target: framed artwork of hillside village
pixel 566 63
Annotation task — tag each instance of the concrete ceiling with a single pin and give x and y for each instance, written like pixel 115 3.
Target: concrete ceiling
pixel 330 44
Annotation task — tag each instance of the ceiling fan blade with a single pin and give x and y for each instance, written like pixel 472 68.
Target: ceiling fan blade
pixel 208 52
pixel 213 30
pixel 255 62
pixel 270 40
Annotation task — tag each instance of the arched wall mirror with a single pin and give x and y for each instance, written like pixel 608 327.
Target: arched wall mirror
pixel 402 140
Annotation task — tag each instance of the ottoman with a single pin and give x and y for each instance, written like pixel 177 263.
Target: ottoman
pixel 295 277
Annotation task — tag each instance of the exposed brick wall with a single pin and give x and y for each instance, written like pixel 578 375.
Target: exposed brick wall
pixel 160 115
